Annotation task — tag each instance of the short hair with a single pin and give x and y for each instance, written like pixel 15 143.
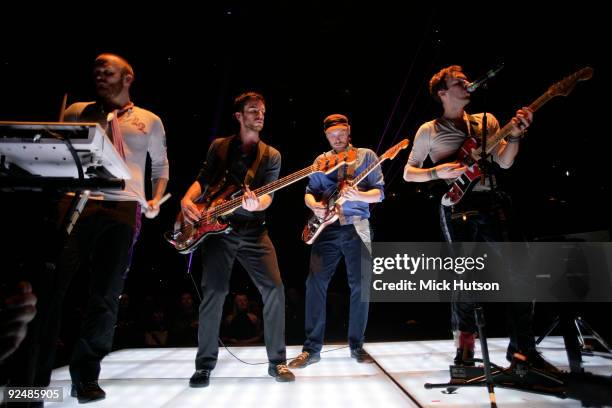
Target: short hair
pixel 126 68
pixel 438 81
pixel 241 100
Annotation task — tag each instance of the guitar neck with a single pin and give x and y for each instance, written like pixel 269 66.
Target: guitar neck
pixel 234 203
pixel 367 171
pixel 561 88
pixel 507 129
pixel 358 179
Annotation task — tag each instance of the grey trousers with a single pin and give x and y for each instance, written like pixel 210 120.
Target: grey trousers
pixel 251 246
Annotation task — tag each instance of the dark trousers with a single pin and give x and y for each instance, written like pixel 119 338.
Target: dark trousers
pixel 251 246
pixel 335 242
pixel 486 217
pixel 102 239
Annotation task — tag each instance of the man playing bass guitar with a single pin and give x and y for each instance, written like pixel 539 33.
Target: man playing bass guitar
pixel 241 159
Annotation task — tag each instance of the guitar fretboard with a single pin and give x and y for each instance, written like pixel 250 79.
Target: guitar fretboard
pixel 367 171
pixel 231 205
pixel 563 87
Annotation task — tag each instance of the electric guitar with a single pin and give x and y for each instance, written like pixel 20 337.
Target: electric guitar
pixel 316 225
pixel 223 198
pixel 469 153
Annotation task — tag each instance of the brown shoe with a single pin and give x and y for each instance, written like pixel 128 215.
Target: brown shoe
pixel 281 373
pixel 304 359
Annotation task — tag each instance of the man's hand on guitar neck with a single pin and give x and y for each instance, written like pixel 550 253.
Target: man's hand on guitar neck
pixel 250 201
pixel 350 193
pixel 521 121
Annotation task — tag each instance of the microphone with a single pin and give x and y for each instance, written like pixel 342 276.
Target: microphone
pixel 472 86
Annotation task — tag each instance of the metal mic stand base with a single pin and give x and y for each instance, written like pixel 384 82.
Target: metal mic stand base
pixel 518 376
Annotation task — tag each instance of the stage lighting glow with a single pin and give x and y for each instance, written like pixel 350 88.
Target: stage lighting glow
pixel 159 378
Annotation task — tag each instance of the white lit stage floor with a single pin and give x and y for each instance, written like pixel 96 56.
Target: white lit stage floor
pixel 159 378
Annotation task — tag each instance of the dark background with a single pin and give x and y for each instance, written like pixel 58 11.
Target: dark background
pixel 370 61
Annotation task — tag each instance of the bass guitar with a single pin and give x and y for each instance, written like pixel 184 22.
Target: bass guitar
pixel 223 198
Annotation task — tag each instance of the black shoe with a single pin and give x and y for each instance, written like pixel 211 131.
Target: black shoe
pixel 305 358
pixel 281 373
pixel 464 357
pixel 87 391
pixel 200 379
pixel 533 359
pixel 361 355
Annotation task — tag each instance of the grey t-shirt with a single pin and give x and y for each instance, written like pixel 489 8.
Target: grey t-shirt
pixel 440 139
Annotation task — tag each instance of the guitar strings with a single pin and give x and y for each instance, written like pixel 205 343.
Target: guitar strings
pixel 225 207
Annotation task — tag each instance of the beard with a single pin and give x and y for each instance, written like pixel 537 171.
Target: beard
pixel 257 127
pixel 109 91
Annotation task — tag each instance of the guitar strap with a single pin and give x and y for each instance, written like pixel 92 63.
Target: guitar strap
pixel 346 172
pixel 478 136
pixel 262 151
pixel 495 202
pixel 473 128
pixel 474 133
pixel 223 153
pixel 361 225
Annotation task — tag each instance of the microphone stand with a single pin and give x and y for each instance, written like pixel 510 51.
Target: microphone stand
pixel 487 169
pixel 483 142
pixel 483 163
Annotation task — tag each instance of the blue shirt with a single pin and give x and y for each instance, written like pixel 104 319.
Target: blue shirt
pixel 322 185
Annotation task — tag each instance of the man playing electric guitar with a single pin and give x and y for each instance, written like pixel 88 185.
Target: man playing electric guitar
pixel 345 237
pixel 316 224
pixel 482 215
pixel 242 159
